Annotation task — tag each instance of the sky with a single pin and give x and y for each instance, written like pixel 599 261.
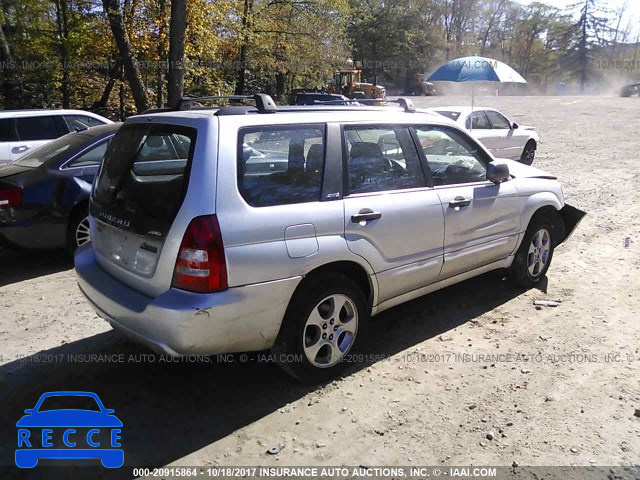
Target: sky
pixel 633 9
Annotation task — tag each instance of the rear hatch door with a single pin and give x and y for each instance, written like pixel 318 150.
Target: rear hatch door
pixel 137 197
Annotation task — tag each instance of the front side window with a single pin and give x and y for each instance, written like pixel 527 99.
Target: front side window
pixel 37 128
pixel 478 121
pixel 452 158
pixel 381 158
pixel 281 165
pixel 498 120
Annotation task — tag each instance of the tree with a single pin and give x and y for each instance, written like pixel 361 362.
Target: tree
pixel 592 29
pixel 131 69
pixel 177 29
pixel 7 65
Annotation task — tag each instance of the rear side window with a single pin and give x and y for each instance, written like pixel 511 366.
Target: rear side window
pixel 478 121
pixel 38 128
pixel 281 165
pixel 381 158
pixel 144 176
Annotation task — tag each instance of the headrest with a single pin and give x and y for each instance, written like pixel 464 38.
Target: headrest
pixel 365 149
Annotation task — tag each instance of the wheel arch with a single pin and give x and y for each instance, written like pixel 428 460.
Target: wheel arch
pixel 355 271
pixel 82 203
pixel 547 207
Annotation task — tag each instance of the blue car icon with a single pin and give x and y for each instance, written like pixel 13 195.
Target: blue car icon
pixel 69 425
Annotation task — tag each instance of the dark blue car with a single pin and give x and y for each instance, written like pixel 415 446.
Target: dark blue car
pixel 69 425
pixel 44 196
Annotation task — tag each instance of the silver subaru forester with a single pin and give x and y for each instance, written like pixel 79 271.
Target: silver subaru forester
pixel 241 228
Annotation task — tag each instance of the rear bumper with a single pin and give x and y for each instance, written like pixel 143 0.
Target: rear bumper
pixel 41 234
pixel 179 322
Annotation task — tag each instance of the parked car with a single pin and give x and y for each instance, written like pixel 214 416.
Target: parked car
pixel 22 131
pixel 503 138
pixel 44 196
pixel 630 90
pixel 192 252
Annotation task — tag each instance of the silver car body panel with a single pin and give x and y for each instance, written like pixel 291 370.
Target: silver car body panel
pixel 179 322
pixel 418 245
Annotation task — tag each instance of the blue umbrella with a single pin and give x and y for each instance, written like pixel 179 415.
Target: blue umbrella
pixel 476 69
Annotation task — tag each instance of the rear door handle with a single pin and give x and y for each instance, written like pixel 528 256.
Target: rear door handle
pixel 365 215
pixel 459 202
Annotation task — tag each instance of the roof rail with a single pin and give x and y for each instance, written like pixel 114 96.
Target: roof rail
pixel 404 103
pixel 264 103
pixel 348 101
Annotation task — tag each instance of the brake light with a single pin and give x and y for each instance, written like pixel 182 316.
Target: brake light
pixel 201 265
pixel 11 197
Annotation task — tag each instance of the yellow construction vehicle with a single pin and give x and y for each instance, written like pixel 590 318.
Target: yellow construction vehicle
pixel 349 83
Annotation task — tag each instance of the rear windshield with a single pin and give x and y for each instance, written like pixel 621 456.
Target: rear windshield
pixel 60 149
pixel 144 177
pixel 449 114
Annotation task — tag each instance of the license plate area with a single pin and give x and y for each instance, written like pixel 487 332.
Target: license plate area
pixel 126 249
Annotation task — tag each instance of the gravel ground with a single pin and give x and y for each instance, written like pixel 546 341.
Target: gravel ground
pixel 473 374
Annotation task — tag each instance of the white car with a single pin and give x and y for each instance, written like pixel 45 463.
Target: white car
pixel 503 138
pixel 21 131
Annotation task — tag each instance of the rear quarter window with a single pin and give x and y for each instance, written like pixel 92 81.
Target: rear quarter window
pixel 281 165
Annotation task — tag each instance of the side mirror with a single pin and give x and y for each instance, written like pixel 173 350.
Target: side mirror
pixel 514 125
pixel 497 173
pixel 29 411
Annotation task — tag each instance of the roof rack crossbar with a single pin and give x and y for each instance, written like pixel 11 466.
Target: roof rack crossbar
pixel 405 103
pixel 264 103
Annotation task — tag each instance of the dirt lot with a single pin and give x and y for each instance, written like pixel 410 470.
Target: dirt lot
pixel 565 395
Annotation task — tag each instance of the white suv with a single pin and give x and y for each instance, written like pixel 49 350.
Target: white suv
pixel 248 228
pixel 21 131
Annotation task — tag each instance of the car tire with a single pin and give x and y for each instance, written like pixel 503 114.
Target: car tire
pixel 533 258
pixel 325 322
pixel 529 153
pixel 78 233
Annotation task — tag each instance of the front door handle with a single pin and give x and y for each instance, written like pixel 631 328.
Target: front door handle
pixel 365 215
pixel 459 202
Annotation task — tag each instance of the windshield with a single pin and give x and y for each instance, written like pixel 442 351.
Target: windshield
pixel 59 149
pixel 449 114
pixel 69 402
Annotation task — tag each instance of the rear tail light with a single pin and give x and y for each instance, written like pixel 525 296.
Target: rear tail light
pixel 11 197
pixel 201 265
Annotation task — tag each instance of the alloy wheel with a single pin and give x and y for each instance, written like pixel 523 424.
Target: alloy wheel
pixel 330 330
